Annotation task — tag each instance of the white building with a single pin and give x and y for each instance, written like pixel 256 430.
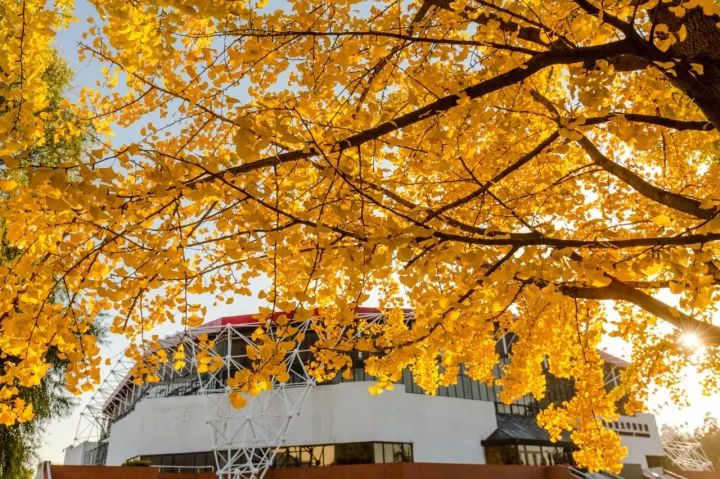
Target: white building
pixel 185 421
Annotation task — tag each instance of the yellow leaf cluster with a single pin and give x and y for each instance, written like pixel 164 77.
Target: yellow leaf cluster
pixel 495 170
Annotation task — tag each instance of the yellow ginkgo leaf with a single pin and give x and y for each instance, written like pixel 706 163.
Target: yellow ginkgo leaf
pixel 237 400
pixel 662 220
pixel 8 185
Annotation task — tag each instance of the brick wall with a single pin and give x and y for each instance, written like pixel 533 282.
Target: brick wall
pixel 699 474
pixel 112 472
pixel 361 471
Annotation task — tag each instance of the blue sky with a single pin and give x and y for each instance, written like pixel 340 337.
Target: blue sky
pixel 61 433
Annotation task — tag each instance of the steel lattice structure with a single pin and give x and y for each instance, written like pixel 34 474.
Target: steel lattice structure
pixel 94 421
pixel 245 441
pixel 685 451
pixel 116 397
pixel 681 448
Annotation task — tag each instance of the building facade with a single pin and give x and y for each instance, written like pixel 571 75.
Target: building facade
pixel 184 421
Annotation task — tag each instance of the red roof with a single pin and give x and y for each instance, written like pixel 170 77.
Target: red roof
pixel 613 360
pixel 252 319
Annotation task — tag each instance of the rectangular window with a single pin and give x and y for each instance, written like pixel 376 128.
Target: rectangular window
pixel 388 452
pixel 356 453
pixel 407 452
pixel 379 454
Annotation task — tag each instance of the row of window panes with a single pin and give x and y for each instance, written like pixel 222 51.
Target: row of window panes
pixel 184 462
pixel 528 455
pixel 96 456
pixel 343 454
pixel 300 456
pixel 466 387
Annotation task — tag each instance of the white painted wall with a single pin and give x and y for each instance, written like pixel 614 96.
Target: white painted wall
pixel 441 429
pixel 74 455
pixel 640 447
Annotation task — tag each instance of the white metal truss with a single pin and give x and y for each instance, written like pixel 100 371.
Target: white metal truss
pixel 94 423
pixel 117 396
pixel 246 440
pixel 684 450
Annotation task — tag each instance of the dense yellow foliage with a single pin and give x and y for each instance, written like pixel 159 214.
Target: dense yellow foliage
pixel 494 165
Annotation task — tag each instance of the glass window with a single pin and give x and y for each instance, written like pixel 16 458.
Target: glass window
pixel 502 455
pixel 532 455
pixel 398 455
pixel 328 455
pixel 379 454
pixel 356 453
pixel 388 452
pixel 282 458
pixel 407 452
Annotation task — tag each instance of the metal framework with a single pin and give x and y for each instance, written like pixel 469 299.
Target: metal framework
pixel 685 451
pixel 94 423
pixel 682 448
pixel 117 396
pixel 245 441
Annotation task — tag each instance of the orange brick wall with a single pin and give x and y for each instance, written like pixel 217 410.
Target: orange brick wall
pixel 111 472
pixel 360 471
pixel 699 474
pixel 88 472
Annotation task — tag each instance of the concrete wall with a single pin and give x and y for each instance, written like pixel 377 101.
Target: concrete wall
pixel 640 447
pixel 74 455
pixel 441 429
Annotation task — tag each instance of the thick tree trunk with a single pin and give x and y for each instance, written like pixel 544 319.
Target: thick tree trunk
pixel 700 47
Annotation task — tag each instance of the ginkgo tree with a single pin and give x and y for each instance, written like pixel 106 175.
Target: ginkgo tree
pixel 494 165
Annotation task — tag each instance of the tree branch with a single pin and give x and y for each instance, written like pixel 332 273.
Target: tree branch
pixel 668 198
pixel 619 291
pixel 486 186
pixel 511 77
pixel 680 125
pixel 536 239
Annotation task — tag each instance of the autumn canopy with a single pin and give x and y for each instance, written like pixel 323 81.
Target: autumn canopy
pixel 493 165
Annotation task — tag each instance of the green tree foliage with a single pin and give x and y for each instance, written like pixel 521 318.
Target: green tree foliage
pixel 18 443
pixel 49 399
